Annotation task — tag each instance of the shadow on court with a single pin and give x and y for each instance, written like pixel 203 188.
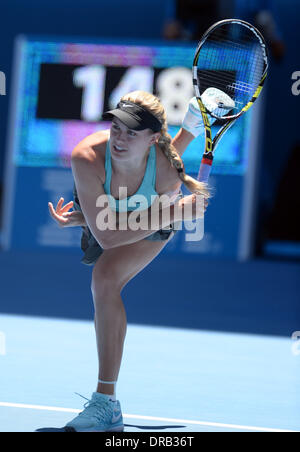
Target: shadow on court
pixel 140 427
pixel 154 427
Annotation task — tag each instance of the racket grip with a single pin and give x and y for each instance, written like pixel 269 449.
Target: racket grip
pixel 204 172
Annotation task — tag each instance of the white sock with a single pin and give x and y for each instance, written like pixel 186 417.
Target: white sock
pixel 109 396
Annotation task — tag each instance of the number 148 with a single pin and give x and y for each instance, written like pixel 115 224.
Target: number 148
pixel 173 86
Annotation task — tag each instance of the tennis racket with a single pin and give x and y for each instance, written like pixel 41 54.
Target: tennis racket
pixel 229 70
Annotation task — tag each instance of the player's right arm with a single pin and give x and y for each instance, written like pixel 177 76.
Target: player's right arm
pixel 86 168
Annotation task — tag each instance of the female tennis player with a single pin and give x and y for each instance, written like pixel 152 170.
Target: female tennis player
pixel 137 155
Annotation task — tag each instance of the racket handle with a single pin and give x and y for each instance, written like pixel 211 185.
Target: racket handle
pixel 204 172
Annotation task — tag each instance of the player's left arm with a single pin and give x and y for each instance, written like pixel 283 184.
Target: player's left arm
pixel 182 139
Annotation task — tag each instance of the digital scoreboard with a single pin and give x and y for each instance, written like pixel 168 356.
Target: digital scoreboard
pixel 66 88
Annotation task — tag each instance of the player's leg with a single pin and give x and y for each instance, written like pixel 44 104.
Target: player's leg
pixel 112 271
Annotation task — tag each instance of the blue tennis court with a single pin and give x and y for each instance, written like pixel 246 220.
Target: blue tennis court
pixel 175 380
pixel 213 322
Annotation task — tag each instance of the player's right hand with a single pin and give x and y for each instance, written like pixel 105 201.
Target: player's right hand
pixel 193 207
pixel 63 217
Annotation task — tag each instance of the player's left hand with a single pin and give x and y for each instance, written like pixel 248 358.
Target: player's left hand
pixel 63 217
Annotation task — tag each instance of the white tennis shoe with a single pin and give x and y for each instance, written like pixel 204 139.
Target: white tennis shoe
pixel 99 415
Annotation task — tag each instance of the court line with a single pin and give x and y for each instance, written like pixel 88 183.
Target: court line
pixel 151 418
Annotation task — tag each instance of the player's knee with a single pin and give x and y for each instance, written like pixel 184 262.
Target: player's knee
pixel 105 279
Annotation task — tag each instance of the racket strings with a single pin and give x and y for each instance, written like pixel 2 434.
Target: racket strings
pixel 239 84
pixel 238 61
pixel 233 89
pixel 233 66
pixel 244 51
pixel 223 78
pixel 246 37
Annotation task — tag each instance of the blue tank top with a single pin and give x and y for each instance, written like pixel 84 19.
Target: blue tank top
pixel 146 193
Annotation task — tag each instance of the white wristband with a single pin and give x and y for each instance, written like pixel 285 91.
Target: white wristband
pixel 192 121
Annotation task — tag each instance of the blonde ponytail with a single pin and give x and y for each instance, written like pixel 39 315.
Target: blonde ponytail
pixel 193 185
pixel 153 104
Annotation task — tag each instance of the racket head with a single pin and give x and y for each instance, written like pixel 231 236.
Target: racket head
pixel 231 60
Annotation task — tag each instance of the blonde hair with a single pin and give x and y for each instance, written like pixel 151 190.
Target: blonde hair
pixel 153 104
